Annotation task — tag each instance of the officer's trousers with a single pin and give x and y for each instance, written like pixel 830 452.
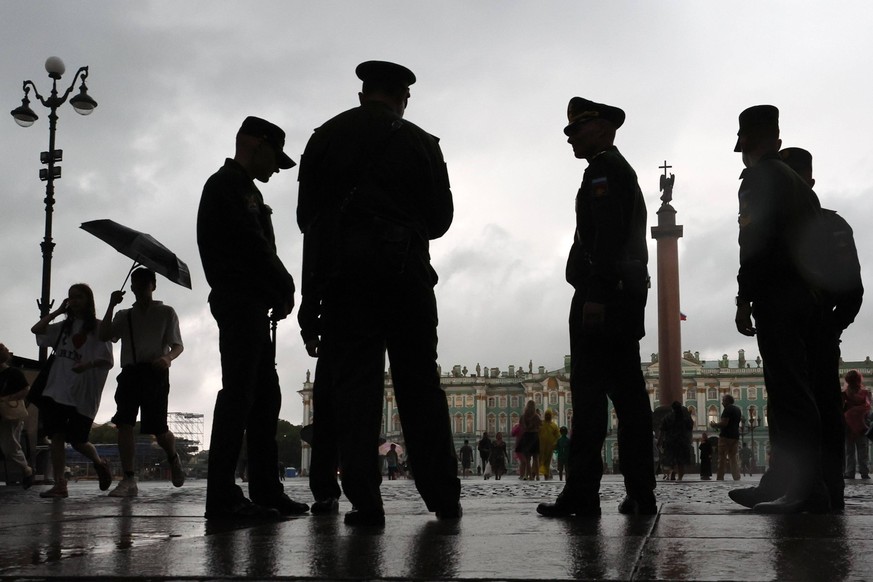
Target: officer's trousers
pixel 786 327
pixel 249 401
pixel 325 449
pixel 606 365
pixel 372 308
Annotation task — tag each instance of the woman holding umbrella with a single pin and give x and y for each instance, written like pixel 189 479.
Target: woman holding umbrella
pixel 75 383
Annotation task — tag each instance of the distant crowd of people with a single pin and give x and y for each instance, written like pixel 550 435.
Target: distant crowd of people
pixel 373 192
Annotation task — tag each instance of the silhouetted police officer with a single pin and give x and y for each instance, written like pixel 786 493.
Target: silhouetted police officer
pixel 777 213
pixel 839 295
pixel 249 286
pixel 607 268
pixel 373 192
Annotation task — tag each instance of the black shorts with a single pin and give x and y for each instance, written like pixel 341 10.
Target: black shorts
pixel 142 387
pixel 63 419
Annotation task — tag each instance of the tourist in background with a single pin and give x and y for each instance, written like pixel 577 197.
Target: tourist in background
pixel 856 407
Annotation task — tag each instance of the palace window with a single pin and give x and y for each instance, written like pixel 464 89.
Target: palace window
pixel 691 394
pixel 492 425
pixel 568 399
pixel 752 393
pixel 553 398
pixel 513 401
pixel 538 398
pixel 736 393
pixel 613 422
pixel 491 402
pixel 503 402
pixel 458 424
pixel 569 417
pixel 712 394
pixel 712 414
pixel 514 420
pixel 469 427
pixel 469 400
pixel 502 424
pixel 693 412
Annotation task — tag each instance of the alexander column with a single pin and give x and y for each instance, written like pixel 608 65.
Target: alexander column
pixel 667 233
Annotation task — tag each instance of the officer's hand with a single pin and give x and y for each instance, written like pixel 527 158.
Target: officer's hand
pixel 281 312
pixel 116 298
pixel 593 314
pixel 312 347
pixel 743 318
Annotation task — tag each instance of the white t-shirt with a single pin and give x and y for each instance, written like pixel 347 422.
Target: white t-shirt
pixel 64 386
pixel 156 331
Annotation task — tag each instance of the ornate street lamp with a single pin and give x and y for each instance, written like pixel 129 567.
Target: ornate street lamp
pixel 25 117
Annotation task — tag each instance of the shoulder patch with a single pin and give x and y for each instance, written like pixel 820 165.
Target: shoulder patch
pixel 600 187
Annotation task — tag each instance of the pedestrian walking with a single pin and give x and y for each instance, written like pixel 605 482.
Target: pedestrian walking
pixel 498 457
pixel 465 453
pixel 856 408
pixel 562 449
pixel 529 443
pixel 676 429
pixel 607 267
pixel 74 385
pixel 250 287
pixel 150 341
pixel 13 390
pixel 484 448
pixel 374 192
pixel 705 449
pixel 549 435
pixel 728 438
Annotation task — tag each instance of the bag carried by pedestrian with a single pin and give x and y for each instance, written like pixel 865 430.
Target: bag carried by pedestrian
pixel 37 387
pixel 13 409
pixel 487 472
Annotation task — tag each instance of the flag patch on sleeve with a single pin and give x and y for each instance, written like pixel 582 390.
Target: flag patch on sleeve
pixel 600 187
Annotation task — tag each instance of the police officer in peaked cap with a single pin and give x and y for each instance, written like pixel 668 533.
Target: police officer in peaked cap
pixel 607 267
pixel 374 191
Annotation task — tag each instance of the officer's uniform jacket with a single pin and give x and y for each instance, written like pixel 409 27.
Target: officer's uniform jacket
pixel 237 243
pixel 607 262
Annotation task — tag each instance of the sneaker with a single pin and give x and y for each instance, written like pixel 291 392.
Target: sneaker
pixel 125 488
pixel 177 475
pixel 59 491
pixel 104 475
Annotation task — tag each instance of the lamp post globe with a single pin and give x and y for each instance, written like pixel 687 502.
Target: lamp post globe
pixel 55 67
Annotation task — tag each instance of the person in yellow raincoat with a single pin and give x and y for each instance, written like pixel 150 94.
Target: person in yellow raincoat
pixel 549 435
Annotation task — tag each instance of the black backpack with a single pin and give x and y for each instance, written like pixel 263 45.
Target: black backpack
pixel 833 268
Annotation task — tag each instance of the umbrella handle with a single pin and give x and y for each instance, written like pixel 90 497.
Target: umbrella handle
pixel 132 267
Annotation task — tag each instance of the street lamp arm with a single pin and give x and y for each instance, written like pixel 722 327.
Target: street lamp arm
pixel 84 72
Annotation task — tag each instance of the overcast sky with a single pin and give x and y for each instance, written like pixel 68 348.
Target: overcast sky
pixel 174 80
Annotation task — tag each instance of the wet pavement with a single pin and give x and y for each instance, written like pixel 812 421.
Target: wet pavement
pixel 698 534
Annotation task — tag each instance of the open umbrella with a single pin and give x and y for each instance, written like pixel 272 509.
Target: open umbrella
pixel 142 248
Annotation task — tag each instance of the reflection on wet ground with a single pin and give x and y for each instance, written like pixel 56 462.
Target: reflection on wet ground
pixel 697 534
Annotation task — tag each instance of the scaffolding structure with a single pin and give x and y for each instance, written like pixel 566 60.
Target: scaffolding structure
pixel 187 427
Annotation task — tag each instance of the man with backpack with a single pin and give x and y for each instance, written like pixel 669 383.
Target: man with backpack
pixel 836 277
pixel 780 217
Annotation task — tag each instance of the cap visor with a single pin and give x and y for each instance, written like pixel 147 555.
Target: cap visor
pixel 285 162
